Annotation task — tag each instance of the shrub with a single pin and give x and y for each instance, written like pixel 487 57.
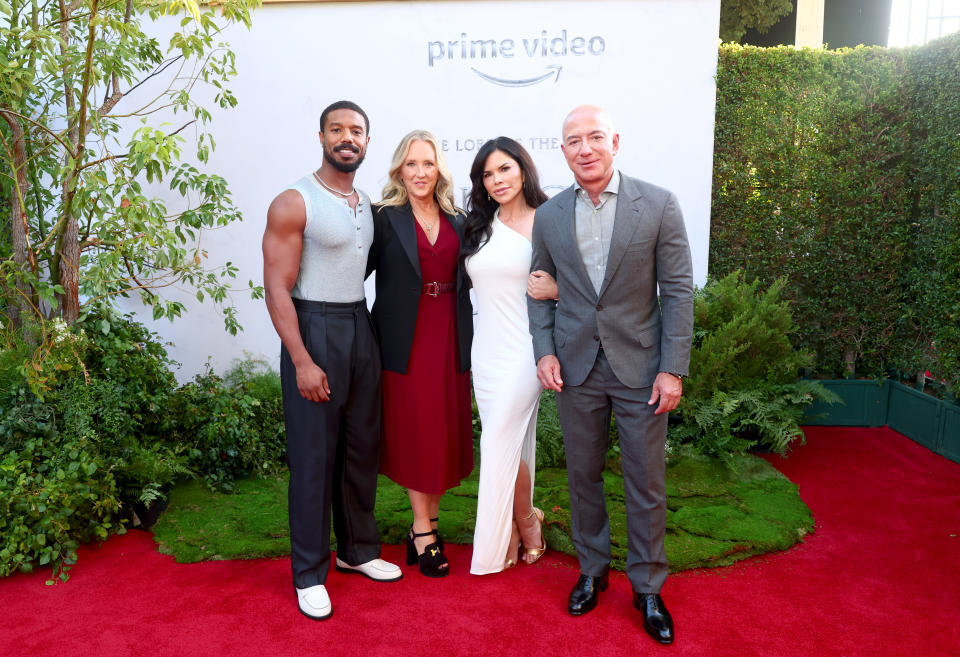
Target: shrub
pixel 125 352
pixel 550 452
pixel 744 388
pixel 79 437
pixel 58 491
pixel 229 426
pixel 122 404
pixel 102 412
pixel 840 171
pixel 99 425
pixel 810 184
pixel 933 292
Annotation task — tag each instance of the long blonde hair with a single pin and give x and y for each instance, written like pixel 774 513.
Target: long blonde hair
pixel 394 193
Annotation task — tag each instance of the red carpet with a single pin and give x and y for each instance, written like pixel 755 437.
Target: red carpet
pixel 881 576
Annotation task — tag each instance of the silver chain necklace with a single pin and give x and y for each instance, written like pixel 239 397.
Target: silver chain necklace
pixel 424 223
pixel 352 191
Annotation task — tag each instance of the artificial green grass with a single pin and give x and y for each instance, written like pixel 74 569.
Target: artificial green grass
pixel 718 513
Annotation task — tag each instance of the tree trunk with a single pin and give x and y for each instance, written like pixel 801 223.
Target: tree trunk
pixel 70 271
pixel 850 358
pixel 20 308
pixel 70 239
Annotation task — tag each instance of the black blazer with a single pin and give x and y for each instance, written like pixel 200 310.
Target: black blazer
pixel 393 255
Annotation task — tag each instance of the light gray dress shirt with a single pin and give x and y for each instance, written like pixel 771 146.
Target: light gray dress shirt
pixel 595 227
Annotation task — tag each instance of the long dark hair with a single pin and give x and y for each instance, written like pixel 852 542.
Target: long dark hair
pixel 480 207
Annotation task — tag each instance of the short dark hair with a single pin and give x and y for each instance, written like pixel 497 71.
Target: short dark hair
pixel 343 104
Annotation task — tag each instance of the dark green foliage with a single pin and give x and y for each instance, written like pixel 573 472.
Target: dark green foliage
pixel 550 452
pixel 73 460
pixel 229 426
pixel 798 160
pixel 104 411
pixel 933 289
pixel 837 170
pixel 743 387
pixel 121 404
pixel 131 356
pixel 112 430
pixel 57 490
pixel 737 16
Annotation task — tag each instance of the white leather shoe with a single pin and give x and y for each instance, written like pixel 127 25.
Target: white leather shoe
pixel 314 602
pixel 376 569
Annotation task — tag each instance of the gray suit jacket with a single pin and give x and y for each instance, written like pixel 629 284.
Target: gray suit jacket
pixel 648 248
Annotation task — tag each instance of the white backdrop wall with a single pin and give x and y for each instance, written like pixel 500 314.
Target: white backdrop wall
pixel 466 71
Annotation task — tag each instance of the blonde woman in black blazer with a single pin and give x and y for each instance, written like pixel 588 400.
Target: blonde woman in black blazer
pixel 424 322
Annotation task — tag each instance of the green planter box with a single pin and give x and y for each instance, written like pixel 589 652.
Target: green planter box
pixel 914 414
pixel 864 405
pixel 932 422
pixel 950 433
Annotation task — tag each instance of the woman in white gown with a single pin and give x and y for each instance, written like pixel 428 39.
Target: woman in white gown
pixel 497 252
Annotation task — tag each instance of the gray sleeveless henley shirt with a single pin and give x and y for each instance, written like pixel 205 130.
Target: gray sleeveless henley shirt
pixel 335 245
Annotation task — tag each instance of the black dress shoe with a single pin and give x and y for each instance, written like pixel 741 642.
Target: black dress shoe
pixel 584 595
pixel 656 619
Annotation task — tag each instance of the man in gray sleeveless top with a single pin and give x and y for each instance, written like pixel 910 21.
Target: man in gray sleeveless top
pixel 314 260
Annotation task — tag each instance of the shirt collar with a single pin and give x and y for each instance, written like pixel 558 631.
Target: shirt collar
pixel 612 187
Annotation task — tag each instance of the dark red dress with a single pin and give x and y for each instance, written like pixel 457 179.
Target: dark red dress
pixel 427 421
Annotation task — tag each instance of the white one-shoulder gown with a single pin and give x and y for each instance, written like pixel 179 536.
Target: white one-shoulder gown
pixel 506 387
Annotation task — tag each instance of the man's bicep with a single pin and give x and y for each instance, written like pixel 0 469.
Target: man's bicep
pixel 283 241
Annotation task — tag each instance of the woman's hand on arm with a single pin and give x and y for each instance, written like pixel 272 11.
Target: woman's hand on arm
pixel 541 286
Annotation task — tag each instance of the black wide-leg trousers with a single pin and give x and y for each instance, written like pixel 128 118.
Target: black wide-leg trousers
pixel 333 447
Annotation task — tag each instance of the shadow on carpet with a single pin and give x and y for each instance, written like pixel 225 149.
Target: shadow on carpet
pixel 717 514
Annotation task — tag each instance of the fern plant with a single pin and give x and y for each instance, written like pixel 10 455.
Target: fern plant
pixel 744 388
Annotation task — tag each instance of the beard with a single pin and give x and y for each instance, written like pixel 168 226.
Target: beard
pixel 343 167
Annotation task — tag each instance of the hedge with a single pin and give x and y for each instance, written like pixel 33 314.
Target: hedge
pixel 840 171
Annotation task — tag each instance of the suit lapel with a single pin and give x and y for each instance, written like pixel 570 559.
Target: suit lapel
pixel 625 223
pixel 567 234
pixel 404 226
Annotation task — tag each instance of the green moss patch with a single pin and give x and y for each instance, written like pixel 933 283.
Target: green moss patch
pixel 718 513
pixel 201 525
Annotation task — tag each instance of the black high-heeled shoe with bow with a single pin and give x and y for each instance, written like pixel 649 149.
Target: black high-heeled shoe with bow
pixel 431 561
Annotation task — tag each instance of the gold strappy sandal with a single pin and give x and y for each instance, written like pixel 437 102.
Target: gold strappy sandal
pixel 536 553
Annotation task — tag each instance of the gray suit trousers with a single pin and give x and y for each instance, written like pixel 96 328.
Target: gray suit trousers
pixel 584 413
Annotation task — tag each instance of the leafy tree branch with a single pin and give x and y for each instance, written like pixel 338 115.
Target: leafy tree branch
pixel 83 229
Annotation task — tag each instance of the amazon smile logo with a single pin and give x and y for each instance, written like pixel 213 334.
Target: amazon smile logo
pixel 483 54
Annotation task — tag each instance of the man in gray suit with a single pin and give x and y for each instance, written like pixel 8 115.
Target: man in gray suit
pixel 610 343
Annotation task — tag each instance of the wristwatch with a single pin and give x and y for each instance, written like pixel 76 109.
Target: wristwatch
pixel 679 376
